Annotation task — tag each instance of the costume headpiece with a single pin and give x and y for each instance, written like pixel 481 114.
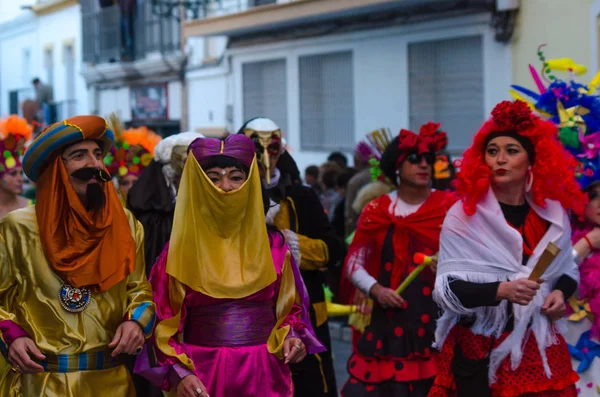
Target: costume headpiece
pixel 133 150
pixel 231 258
pixel 429 140
pixel 236 146
pixel 267 138
pixel 552 167
pixel 574 108
pixel 84 248
pixel 14 134
pixel 371 149
pixel 59 135
pixel 164 148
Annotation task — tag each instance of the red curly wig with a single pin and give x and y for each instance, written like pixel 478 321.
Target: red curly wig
pixel 553 169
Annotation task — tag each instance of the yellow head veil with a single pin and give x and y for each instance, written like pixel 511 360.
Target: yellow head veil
pixel 219 243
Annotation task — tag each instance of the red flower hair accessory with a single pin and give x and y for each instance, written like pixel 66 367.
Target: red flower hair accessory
pixel 515 116
pixel 553 168
pixel 429 140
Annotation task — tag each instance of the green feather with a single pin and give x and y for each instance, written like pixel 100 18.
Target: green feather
pixel 569 137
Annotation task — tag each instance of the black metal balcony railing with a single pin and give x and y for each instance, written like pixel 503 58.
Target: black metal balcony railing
pixel 201 9
pixel 105 37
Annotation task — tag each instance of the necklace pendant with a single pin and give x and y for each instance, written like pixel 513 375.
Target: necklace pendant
pixel 74 299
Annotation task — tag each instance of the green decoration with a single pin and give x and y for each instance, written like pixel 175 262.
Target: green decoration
pixel 375 170
pixel 569 137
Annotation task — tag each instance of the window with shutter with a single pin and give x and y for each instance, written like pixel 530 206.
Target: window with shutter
pixel 326 102
pixel 89 29
pixel 446 86
pixel 265 91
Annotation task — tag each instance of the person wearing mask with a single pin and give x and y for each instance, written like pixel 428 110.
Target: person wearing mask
pixel 232 308
pixel 296 211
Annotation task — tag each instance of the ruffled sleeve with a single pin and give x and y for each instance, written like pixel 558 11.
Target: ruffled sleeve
pixel 140 307
pixel 164 361
pixel 292 307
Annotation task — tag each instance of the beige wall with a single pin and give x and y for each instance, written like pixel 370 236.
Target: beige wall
pixel 564 25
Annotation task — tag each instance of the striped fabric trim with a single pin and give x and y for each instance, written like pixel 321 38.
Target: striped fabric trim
pixel 144 315
pixel 63 363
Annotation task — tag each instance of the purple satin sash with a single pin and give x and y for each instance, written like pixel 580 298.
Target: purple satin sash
pixel 235 323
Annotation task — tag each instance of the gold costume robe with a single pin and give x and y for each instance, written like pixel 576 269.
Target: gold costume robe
pixel 29 292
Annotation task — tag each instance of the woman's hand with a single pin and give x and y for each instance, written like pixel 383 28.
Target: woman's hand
pixel 361 301
pixel 386 297
pixel 519 291
pixel 294 350
pixel 554 307
pixel 191 386
pixel 433 264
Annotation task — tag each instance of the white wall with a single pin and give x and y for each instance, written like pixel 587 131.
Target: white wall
pixel 57 29
pixel 26 31
pixel 11 9
pixel 114 100
pixel 207 103
pixel 174 98
pixel 14 39
pixel 380 74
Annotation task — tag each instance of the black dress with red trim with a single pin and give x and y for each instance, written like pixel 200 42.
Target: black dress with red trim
pixel 464 356
pixel 394 356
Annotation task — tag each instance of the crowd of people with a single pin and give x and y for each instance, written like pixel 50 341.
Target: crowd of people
pixel 195 266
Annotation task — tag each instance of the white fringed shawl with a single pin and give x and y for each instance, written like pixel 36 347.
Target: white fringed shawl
pixel 483 248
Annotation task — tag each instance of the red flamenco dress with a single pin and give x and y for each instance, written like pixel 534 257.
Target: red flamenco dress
pixel 394 356
pixel 464 355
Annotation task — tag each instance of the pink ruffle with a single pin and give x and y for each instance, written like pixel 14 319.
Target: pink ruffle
pixel 589 287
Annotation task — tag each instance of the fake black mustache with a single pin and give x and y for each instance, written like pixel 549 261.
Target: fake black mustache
pixel 88 173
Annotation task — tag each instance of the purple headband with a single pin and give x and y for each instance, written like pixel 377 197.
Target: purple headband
pixel 238 146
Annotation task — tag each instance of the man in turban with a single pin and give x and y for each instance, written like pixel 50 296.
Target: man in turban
pixel 73 290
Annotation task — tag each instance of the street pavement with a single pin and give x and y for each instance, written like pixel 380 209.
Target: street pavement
pixel 341 353
pixel 340 343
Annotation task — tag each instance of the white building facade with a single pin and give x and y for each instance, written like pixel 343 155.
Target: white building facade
pixel 329 77
pixel 43 41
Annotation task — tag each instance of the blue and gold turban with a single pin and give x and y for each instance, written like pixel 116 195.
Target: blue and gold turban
pixel 58 136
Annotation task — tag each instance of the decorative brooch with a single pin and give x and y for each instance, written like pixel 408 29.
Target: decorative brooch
pixel 74 299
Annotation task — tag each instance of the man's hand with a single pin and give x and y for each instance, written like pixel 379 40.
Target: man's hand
pixel 554 307
pixel 20 353
pixel 128 338
pixel 386 297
